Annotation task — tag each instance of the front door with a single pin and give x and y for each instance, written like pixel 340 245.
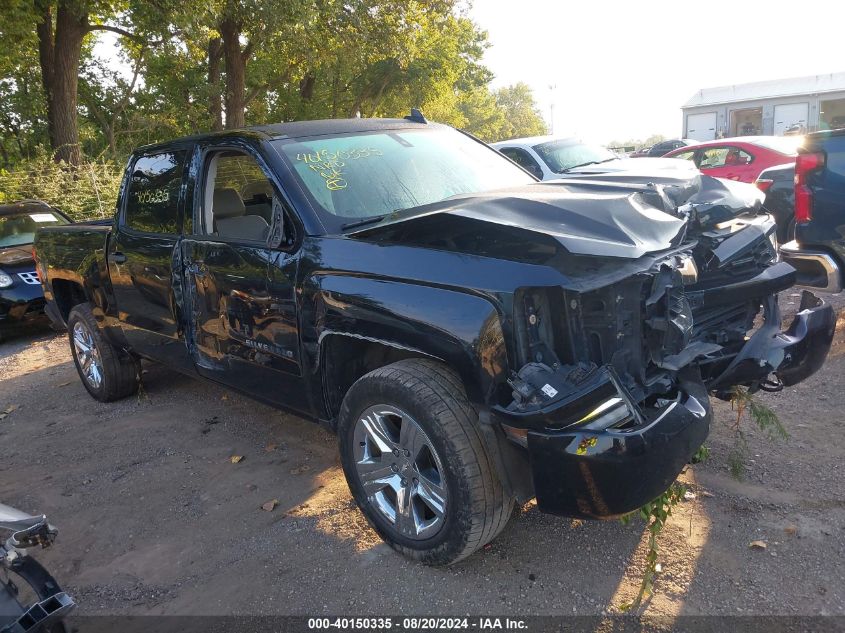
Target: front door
pixel 143 258
pixel 243 317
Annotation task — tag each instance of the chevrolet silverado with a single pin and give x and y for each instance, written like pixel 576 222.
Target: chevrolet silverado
pixel 474 337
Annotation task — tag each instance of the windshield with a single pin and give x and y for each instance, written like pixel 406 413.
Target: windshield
pixel 18 229
pixel 353 177
pixel 568 153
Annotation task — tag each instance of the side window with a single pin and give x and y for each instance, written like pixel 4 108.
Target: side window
pixel 523 159
pixel 237 201
pixel 724 157
pixel 152 204
pixel 713 157
pixel 737 156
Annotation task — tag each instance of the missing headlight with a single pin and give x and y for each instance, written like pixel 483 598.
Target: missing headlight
pixel 609 413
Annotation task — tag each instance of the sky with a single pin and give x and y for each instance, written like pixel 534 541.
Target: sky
pixel 618 70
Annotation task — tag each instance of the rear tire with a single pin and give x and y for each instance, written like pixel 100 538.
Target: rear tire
pixel 108 373
pixel 426 401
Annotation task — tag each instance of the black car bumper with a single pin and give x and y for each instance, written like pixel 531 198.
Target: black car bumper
pixel 603 474
pixel 609 472
pixel 21 303
pixel 791 355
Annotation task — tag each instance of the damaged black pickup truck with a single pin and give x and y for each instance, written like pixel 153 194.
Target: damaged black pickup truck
pixel 475 338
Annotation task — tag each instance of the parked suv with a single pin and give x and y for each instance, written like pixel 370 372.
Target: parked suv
pixel 818 251
pixel 475 338
pixel 21 297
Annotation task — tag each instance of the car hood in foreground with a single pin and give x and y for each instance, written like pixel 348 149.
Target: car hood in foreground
pixel 591 217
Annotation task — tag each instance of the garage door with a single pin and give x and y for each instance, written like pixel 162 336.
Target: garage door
pixel 788 115
pixel 701 127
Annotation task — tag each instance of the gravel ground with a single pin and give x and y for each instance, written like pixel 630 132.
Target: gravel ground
pixel 155 518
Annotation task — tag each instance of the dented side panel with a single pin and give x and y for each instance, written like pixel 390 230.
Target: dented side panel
pixel 462 330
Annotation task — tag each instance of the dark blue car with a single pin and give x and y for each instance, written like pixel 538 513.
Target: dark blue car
pixel 21 297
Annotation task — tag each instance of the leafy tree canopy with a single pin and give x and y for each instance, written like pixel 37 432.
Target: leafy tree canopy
pixel 195 65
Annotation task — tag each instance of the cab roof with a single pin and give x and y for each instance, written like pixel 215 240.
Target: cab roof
pixel 298 129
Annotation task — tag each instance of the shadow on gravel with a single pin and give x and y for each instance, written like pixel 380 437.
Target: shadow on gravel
pixel 14 339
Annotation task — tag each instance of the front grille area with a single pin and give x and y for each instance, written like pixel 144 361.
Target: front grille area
pixel 723 324
pixel 605 326
pixel 30 278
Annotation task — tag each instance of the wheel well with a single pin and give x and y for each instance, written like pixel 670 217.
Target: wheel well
pixel 66 295
pixel 345 359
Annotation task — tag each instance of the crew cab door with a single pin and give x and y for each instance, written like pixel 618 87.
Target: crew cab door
pixel 243 320
pixel 143 257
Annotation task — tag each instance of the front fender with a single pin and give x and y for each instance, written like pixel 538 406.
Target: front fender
pixel 461 329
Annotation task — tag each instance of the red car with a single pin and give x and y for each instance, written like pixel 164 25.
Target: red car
pixel 741 158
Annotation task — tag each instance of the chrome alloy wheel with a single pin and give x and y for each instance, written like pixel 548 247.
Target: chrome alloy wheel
pixel 87 355
pixel 400 471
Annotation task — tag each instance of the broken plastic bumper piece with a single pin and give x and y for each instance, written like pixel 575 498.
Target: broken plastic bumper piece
pixel 598 454
pixel 791 355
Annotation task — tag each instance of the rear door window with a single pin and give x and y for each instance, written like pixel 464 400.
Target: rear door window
pixel 713 157
pixel 727 156
pixel 152 200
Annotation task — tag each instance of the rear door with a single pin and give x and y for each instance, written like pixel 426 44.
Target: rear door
pixel 143 256
pixel 243 321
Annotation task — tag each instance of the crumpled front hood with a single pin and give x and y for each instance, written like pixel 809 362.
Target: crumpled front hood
pixel 605 223
pixel 14 255
pixel 611 216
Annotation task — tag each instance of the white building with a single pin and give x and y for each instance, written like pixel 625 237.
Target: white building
pixel 766 107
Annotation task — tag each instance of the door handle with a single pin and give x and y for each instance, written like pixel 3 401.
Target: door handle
pixel 117 258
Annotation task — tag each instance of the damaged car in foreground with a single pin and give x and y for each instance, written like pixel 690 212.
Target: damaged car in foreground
pixel 475 338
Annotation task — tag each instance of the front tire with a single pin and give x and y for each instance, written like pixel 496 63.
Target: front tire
pixel 417 465
pixel 107 372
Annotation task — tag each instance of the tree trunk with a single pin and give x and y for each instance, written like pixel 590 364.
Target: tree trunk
pixel 44 30
pixel 215 104
pixel 306 86
pixel 380 95
pixel 59 55
pixel 235 73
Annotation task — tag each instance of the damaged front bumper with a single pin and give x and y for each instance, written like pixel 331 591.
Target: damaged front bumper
pixel 595 453
pixel 583 470
pixel 789 356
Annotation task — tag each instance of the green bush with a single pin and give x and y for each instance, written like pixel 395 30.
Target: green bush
pixel 84 192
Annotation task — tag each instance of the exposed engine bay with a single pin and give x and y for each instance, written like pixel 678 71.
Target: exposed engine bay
pixel 689 309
